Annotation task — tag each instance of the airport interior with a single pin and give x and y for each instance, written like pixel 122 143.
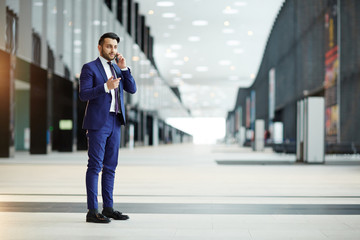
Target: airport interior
pixel 283 76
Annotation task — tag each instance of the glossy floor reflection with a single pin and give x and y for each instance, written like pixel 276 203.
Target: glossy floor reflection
pixel 182 192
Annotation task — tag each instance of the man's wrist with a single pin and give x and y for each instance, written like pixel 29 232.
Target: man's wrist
pixel 124 69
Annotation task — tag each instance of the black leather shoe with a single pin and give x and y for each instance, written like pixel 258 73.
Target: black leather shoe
pixel 116 215
pixel 97 218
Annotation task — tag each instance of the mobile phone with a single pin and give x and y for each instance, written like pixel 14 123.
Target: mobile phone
pixel 116 59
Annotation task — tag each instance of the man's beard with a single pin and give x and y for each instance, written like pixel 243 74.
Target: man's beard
pixel 106 56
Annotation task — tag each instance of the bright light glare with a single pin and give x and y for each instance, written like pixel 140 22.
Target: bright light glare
pixel 204 130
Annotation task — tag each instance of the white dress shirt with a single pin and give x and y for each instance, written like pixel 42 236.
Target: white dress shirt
pixel 109 75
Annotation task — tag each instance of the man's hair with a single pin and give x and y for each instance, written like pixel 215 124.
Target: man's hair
pixel 108 35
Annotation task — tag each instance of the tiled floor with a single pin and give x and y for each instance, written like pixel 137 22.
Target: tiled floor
pixel 183 192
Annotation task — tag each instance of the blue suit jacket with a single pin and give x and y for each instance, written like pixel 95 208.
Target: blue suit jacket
pixel 92 79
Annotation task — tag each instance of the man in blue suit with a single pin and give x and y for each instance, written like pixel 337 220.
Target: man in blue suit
pixel 101 85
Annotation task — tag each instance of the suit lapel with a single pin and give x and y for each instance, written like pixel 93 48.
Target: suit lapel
pixel 101 69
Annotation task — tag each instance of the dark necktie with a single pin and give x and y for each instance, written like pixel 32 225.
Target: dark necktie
pixel 117 100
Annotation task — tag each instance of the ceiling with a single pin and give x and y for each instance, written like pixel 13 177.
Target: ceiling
pixel 209 48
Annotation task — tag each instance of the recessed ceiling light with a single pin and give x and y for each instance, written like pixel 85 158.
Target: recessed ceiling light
pixel 168 15
pixel 187 76
pixel 151 12
pixel 226 23
pixel 174 71
pixel 171 55
pixel 135 58
pixel 165 4
pixel 77 30
pixel 38 4
pixel 77 42
pixel 252 76
pixel 202 69
pixel 250 33
pixel 177 81
pixel 186 59
pixel 232 68
pixel 200 23
pixel 171 27
pixel 176 47
pixel 229 10
pixel 228 30
pixel 54 10
pixel 233 43
pixel 194 38
pixel 224 62
pixel 178 62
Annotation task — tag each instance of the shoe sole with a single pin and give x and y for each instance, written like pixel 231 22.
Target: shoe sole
pixel 88 220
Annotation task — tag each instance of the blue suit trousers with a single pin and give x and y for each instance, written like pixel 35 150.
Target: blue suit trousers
pixel 103 150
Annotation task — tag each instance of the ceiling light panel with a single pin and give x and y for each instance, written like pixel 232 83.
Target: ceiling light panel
pixel 193 39
pixel 228 30
pixel 202 69
pixel 233 43
pixel 187 76
pixel 200 23
pixel 178 62
pixel 174 71
pixel 165 4
pixel 176 47
pixel 229 10
pixel 224 62
pixel 168 15
pixel 171 55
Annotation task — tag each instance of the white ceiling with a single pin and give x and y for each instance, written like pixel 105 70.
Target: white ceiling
pixel 209 62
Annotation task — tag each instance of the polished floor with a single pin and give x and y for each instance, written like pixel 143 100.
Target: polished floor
pixel 184 192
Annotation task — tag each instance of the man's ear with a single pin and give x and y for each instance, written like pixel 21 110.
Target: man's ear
pixel 99 48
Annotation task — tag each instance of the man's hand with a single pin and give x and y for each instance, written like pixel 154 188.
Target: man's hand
pixel 122 62
pixel 113 83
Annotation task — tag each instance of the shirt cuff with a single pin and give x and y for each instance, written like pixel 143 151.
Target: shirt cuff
pixel 106 88
pixel 124 69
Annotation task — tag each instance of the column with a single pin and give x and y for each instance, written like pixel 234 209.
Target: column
pixel 2 23
pixel 44 46
pixel 59 65
pixel 155 131
pixel 25 30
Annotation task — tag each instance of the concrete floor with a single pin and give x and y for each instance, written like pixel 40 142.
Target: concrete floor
pixel 184 192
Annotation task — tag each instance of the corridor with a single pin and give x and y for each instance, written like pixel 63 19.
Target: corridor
pixel 184 192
